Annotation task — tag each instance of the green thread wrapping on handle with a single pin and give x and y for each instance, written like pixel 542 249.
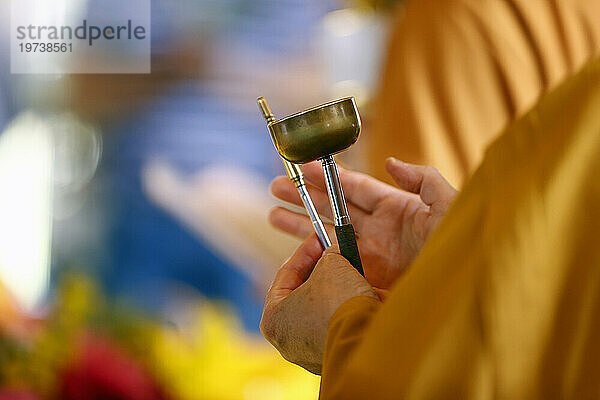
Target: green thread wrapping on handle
pixel 348 247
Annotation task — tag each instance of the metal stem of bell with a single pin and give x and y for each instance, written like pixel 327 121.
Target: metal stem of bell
pixel 334 189
pixel 314 216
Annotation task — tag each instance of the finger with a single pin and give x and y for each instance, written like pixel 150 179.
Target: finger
pixel 426 181
pixel 285 190
pixel 314 173
pixel 295 224
pixel 298 267
pixel 408 176
pixel 361 190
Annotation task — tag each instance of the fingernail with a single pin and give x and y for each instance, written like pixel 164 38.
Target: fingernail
pixel 394 161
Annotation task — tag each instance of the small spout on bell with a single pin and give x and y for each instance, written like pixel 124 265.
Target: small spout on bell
pixel 265 109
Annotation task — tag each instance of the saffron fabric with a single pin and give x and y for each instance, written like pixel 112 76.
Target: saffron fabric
pixel 504 300
pixel 458 71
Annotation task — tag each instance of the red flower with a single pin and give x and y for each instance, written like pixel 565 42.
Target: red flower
pixel 17 395
pixel 104 371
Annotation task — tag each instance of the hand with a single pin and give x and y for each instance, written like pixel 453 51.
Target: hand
pixel 392 224
pixel 303 298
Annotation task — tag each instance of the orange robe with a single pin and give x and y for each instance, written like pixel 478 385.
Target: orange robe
pixel 458 71
pixel 504 300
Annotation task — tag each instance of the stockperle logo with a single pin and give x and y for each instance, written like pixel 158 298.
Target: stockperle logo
pixel 61 36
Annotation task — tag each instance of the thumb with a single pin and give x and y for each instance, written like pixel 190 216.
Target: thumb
pixel 333 249
pixel 426 181
pixel 334 261
pixel 333 253
pixel 298 267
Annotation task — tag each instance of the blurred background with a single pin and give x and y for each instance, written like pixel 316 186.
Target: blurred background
pixel 135 251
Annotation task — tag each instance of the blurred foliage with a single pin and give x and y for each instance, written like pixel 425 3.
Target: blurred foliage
pixel 33 361
pixel 212 359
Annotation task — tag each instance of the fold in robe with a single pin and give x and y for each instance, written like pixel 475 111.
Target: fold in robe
pixel 458 71
pixel 504 299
